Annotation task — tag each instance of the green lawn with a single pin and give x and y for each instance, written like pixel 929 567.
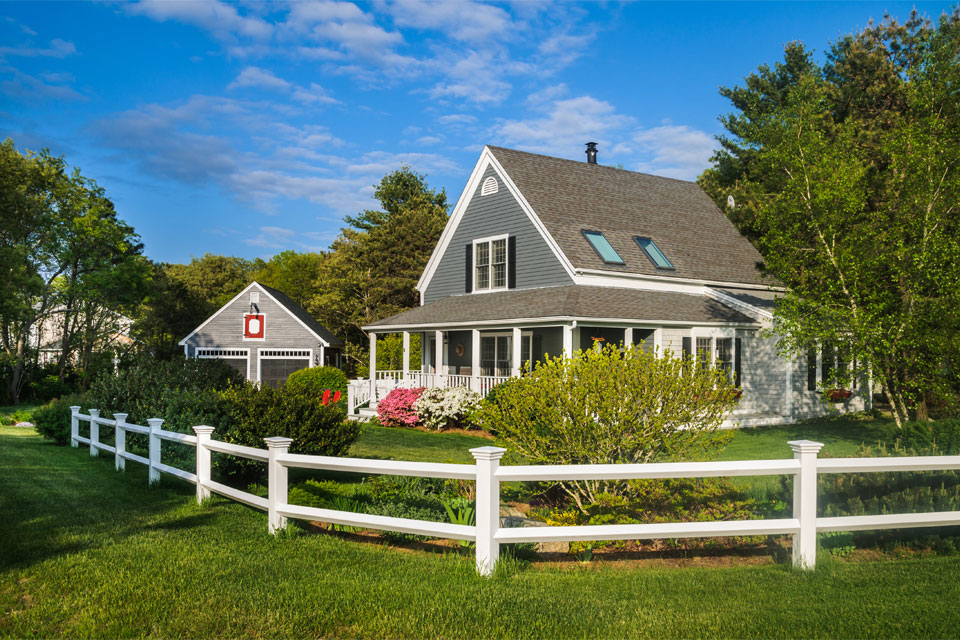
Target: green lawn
pixel 88 552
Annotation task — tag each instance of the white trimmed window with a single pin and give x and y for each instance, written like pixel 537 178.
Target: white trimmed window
pixel 490 264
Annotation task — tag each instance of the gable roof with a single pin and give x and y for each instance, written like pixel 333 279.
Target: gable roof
pixel 569 302
pixel 305 319
pixel 300 314
pixel 570 196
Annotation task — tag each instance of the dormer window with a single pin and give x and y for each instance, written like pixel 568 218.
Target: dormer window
pixel 490 263
pixel 603 247
pixel 653 252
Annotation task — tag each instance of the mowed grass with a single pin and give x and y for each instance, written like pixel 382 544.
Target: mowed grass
pixel 89 552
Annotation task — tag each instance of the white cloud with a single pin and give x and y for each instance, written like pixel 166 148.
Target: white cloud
pixel 281 238
pixel 312 95
pixel 456 118
pixel 473 76
pixel 676 151
pixel 427 141
pixel 260 79
pixel 377 163
pixel 32 89
pixel 564 128
pixel 219 18
pixel 466 21
pixel 58 49
pixel 547 94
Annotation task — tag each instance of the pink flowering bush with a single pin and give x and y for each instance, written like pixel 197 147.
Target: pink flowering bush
pixel 397 409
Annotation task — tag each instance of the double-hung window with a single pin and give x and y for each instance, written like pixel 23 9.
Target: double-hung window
pixel 490 264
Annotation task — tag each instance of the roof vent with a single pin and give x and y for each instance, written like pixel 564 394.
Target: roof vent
pixel 489 187
pixel 591 153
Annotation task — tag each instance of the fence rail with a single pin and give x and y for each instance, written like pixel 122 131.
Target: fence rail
pixel 487 473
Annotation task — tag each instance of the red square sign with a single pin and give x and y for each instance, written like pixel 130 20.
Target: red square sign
pixel 254 326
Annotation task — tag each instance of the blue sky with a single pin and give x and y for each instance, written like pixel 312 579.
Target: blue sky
pixel 248 128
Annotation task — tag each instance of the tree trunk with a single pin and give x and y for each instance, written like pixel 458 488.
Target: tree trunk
pixel 16 375
pixel 922 410
pixel 894 399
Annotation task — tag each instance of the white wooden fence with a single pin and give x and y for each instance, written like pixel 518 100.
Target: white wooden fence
pixel 488 474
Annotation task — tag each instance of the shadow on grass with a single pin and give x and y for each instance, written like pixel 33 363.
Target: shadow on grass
pixel 56 500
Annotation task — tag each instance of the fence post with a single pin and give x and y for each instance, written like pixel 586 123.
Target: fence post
pixel 805 503
pixel 94 432
pixel 155 424
pixel 488 507
pixel 120 441
pixel 276 482
pixel 74 426
pixel 203 462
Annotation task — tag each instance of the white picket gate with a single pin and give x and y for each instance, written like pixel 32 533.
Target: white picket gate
pixel 488 474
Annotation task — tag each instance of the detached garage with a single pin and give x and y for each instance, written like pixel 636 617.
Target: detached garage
pixel 264 335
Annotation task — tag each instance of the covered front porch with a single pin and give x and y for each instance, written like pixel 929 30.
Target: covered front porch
pixel 479 358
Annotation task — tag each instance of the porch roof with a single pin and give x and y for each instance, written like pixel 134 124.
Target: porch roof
pixel 572 302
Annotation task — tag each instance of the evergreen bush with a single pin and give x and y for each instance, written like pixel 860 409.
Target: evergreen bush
pixel 52 420
pixel 316 380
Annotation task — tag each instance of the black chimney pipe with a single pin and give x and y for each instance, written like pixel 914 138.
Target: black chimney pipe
pixel 591 153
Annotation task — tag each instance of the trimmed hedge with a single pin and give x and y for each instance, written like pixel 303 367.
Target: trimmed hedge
pixel 316 380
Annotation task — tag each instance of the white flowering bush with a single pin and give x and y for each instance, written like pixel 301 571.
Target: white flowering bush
pixel 447 408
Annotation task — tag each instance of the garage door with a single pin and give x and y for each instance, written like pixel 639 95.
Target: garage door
pixel 276 365
pixel 239 359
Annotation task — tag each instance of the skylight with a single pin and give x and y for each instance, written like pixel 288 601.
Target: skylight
pixel 653 252
pixel 603 247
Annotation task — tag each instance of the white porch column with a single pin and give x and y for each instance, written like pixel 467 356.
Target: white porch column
pixel 517 353
pixel 406 356
pixel 568 341
pixel 627 337
pixel 475 360
pixel 373 370
pixel 438 358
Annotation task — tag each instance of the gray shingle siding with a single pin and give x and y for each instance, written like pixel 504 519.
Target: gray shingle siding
pixel 493 215
pixel 225 331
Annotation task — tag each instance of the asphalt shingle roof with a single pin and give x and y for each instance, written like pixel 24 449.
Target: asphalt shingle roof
pixel 766 300
pixel 570 196
pixel 571 301
pixel 296 310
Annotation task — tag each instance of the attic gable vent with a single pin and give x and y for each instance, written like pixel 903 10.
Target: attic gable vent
pixel 490 186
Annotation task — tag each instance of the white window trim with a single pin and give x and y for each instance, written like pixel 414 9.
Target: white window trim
pixel 243 328
pixel 506 334
pixel 712 334
pixel 261 357
pixel 221 357
pixel 490 239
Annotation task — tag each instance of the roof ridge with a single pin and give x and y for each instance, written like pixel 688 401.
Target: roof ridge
pixel 601 166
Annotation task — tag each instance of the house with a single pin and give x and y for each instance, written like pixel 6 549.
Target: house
pixel 265 335
pixel 545 256
pixel 105 330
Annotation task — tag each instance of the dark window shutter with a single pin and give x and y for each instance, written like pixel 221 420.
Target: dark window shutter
pixel 812 369
pixel 512 262
pixel 738 348
pixel 686 346
pixel 468 281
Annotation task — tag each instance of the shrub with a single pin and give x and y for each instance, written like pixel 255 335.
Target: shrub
pixel 316 380
pixel 447 408
pixel 608 406
pixel 255 413
pixel 181 391
pixel 943 434
pixel 52 420
pixel 398 410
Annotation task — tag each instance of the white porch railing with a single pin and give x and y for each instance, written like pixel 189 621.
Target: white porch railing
pixel 358 391
pixel 488 474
